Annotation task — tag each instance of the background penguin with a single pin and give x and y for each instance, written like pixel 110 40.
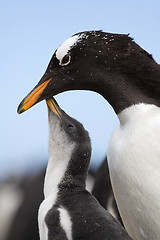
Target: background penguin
pixel 69 211
pixel 102 190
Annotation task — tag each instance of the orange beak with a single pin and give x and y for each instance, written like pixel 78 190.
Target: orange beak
pixel 32 98
pixel 53 107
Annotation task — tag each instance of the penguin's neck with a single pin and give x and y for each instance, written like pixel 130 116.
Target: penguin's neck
pixel 59 159
pixel 62 173
pixel 129 84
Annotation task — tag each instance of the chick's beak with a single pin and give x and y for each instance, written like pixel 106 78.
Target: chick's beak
pixel 52 105
pixel 33 97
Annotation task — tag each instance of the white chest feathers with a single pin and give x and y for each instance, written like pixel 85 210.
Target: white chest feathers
pixel 134 165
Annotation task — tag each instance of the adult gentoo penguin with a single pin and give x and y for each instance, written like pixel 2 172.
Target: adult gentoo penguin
pixel 129 79
pixel 69 211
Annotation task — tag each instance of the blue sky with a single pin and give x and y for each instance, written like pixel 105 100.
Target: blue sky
pixel 30 33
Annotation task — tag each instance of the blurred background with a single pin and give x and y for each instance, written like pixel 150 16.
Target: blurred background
pixel 30 33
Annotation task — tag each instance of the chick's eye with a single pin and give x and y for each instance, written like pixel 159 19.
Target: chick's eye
pixel 65 60
pixel 70 127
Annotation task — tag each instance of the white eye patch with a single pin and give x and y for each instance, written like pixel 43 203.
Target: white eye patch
pixel 63 50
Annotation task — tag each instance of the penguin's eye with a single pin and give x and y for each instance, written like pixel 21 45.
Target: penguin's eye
pixel 65 60
pixel 70 128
